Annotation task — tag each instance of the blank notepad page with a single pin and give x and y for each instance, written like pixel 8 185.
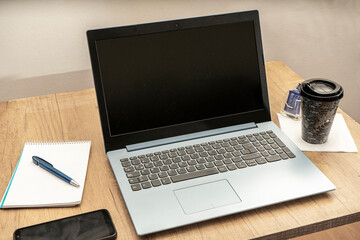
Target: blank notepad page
pixel 32 186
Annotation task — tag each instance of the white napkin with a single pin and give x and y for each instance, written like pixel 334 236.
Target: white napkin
pixel 339 139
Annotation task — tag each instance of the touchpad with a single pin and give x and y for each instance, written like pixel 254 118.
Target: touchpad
pixel 206 196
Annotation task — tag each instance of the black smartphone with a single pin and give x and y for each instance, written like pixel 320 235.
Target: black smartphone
pixel 92 225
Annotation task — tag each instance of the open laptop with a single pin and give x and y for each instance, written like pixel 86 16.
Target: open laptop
pixel 186 121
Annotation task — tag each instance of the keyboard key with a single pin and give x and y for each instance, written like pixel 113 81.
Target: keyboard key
pixel 135 162
pixel 236 154
pixel 162 174
pixel 172 173
pixel 273 135
pixel 209 165
pixel 181 170
pixel 221 151
pixel 229 149
pixel 192 162
pixel 167 162
pixel 200 167
pixel 290 154
pixel 136 187
pixel 238 147
pixel 216 146
pixel 191 169
pixel 139 167
pixel 185 158
pixel 145 160
pixel 129 169
pixel 190 151
pixel 173 166
pixel 243 141
pixel 273 158
pixel 279 142
pixel 252 149
pixel 154 158
pixel 181 153
pixel 245 151
pixel 219 157
pixel 201 160
pixel 218 163
pixel 172 154
pixel 165 181
pixel 194 156
pixel 191 175
pixel 199 149
pixel 274 146
pixel 133 180
pixel 153 176
pixel 272 152
pixel 260 160
pixel 251 163
pixel 279 151
pixel 156 183
pixel 236 159
pixel 146 185
pixel 231 167
pixel 251 156
pixel 133 174
pixel 227 161
pixel 126 164
pixel 183 164
pixel 155 170
pixel 158 163
pixel 222 169
pixel 164 168
pixel 265 154
pixel 247 145
pixel 143 178
pixel 266 136
pixel 204 154
pixel 149 165
pixel 241 165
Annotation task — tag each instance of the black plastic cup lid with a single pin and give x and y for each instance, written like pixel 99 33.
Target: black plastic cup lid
pixel 319 89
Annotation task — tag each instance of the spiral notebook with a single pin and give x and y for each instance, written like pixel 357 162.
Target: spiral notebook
pixel 32 186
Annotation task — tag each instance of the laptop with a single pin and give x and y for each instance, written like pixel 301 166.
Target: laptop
pixel 186 123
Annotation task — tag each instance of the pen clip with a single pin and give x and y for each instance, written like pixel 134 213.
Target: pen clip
pixel 37 161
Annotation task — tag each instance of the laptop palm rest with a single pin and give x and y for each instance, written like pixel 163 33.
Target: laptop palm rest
pixel 206 196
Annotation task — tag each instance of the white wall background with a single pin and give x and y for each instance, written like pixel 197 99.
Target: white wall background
pixel 43 47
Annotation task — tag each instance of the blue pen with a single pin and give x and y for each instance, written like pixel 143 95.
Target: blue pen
pixel 50 168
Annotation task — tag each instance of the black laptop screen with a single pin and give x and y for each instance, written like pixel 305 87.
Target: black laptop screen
pixel 163 79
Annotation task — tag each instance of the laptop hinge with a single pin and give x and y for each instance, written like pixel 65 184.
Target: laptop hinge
pixel 191 136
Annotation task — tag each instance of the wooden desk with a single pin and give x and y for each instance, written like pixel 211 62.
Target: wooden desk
pixel 74 116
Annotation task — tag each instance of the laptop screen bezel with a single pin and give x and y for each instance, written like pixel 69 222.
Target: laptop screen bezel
pixel 122 140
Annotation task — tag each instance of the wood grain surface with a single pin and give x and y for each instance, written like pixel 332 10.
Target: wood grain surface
pixel 74 116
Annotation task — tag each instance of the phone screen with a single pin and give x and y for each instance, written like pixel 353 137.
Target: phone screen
pixel 92 225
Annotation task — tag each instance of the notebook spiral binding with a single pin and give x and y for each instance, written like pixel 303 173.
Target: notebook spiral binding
pixel 35 142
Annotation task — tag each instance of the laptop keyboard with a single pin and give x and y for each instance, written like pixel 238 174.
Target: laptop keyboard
pixel 184 163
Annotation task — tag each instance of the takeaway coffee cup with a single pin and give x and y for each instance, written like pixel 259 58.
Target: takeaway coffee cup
pixel 319 102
